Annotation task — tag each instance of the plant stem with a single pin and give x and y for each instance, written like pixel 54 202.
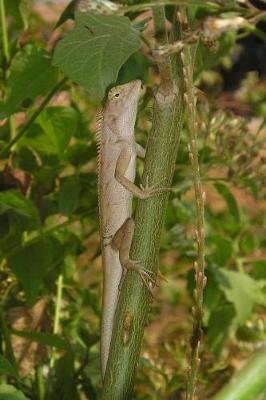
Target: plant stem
pixel 6 57
pixel 134 300
pixel 58 306
pixel 40 383
pixel 5 332
pixel 200 279
pixel 34 116
pixel 249 382
pixel 4 31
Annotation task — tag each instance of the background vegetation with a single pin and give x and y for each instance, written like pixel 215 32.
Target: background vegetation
pixel 50 262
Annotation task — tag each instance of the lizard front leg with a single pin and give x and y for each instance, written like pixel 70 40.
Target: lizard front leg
pixel 121 242
pixel 120 171
pixel 141 152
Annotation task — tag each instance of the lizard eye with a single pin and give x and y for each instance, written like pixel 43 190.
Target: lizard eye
pixel 117 94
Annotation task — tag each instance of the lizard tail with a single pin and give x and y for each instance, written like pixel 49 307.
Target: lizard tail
pixel 112 275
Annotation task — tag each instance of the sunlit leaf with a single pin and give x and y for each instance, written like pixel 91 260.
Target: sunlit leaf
pixel 8 392
pixel 56 126
pixel 46 339
pixel 15 202
pixel 242 291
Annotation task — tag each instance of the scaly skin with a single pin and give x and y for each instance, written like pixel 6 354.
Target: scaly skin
pixel 117 166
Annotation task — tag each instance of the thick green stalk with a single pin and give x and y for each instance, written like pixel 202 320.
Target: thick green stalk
pixel 249 382
pixel 134 301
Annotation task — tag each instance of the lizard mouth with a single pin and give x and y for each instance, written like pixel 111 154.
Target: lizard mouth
pixel 136 89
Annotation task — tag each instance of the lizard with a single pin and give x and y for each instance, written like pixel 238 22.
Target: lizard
pixel 117 152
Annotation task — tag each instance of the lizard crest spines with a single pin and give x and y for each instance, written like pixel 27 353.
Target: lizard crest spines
pixel 98 134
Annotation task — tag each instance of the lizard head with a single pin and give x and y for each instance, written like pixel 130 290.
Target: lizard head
pixel 121 106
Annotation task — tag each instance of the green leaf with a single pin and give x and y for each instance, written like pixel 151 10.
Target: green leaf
pixel 225 192
pixel 260 269
pixel 247 243
pixel 46 339
pixel 27 160
pixel 20 11
pixel 16 203
pixel 8 392
pixel 69 195
pixel 136 67
pixel 218 327
pixel 6 368
pixel 31 75
pixel 63 384
pixel 30 264
pixel 248 383
pixel 212 294
pixel 58 125
pixel 68 13
pixel 223 249
pixel 95 50
pixel 241 290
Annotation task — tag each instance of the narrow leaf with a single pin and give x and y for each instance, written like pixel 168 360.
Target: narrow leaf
pixel 6 368
pixel 69 195
pixel 46 339
pixel 225 192
pixel 11 200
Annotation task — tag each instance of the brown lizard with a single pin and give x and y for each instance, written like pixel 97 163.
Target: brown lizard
pixel 117 167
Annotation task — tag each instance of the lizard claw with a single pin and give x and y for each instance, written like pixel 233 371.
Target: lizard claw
pixel 149 191
pixel 144 273
pixel 162 277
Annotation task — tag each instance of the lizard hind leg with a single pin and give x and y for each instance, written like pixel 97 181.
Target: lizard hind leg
pixel 122 241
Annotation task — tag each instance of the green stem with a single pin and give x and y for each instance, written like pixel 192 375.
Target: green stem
pixel 6 56
pixel 58 306
pixel 9 353
pixel 4 31
pixel 134 300
pixel 200 279
pixel 33 117
pixel 142 6
pixel 249 382
pixel 40 383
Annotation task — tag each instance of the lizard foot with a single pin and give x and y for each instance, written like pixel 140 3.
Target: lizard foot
pixel 162 277
pixel 149 191
pixel 145 274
